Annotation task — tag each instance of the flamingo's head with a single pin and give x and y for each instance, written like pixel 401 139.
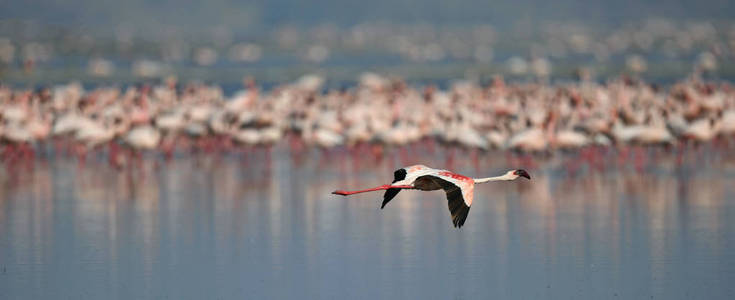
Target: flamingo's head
pixel 522 173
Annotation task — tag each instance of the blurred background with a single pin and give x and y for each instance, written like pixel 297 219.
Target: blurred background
pixel 188 149
pixel 96 42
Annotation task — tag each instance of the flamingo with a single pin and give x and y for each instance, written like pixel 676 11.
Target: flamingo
pixel 529 140
pixel 459 188
pixel 570 139
pixel 143 137
pixel 496 138
pixel 20 139
pixel 93 134
pixel 702 130
pixel 727 126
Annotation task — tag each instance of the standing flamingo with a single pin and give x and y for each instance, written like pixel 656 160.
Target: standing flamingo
pixel 459 188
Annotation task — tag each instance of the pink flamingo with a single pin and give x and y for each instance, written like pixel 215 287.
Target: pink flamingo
pixel 459 188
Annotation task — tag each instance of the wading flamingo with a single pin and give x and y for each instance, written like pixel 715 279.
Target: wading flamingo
pixel 459 188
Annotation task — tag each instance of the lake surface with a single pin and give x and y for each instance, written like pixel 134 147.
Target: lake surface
pixel 208 227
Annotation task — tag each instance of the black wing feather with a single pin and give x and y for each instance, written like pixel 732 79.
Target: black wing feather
pixel 455 199
pixel 398 175
pixel 457 207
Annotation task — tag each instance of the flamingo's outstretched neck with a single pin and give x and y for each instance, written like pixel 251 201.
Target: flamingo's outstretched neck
pixel 511 175
pixel 382 187
pixel 496 178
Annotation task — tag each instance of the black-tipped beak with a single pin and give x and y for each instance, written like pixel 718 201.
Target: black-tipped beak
pixel 522 173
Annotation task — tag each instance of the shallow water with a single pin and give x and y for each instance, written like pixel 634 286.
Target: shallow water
pixel 206 228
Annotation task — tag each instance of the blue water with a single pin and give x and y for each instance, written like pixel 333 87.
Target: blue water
pixel 223 228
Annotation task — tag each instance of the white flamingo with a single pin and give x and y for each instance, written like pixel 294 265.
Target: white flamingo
pixel 459 188
pixel 143 138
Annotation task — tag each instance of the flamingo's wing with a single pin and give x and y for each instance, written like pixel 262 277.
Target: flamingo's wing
pixel 398 175
pixel 457 206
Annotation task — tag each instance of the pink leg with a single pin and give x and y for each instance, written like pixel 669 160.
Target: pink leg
pixel 382 187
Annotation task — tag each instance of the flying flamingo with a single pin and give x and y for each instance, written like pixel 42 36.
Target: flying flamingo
pixel 459 188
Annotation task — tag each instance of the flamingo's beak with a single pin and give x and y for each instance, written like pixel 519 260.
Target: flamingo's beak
pixel 522 173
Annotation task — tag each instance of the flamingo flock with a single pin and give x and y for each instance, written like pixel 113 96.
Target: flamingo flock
pixel 377 113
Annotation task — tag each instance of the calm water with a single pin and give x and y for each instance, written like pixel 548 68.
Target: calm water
pixel 206 228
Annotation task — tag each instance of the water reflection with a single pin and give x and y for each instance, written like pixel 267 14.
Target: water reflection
pixel 224 227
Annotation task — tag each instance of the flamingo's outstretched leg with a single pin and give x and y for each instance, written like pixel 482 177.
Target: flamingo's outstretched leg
pixel 378 188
